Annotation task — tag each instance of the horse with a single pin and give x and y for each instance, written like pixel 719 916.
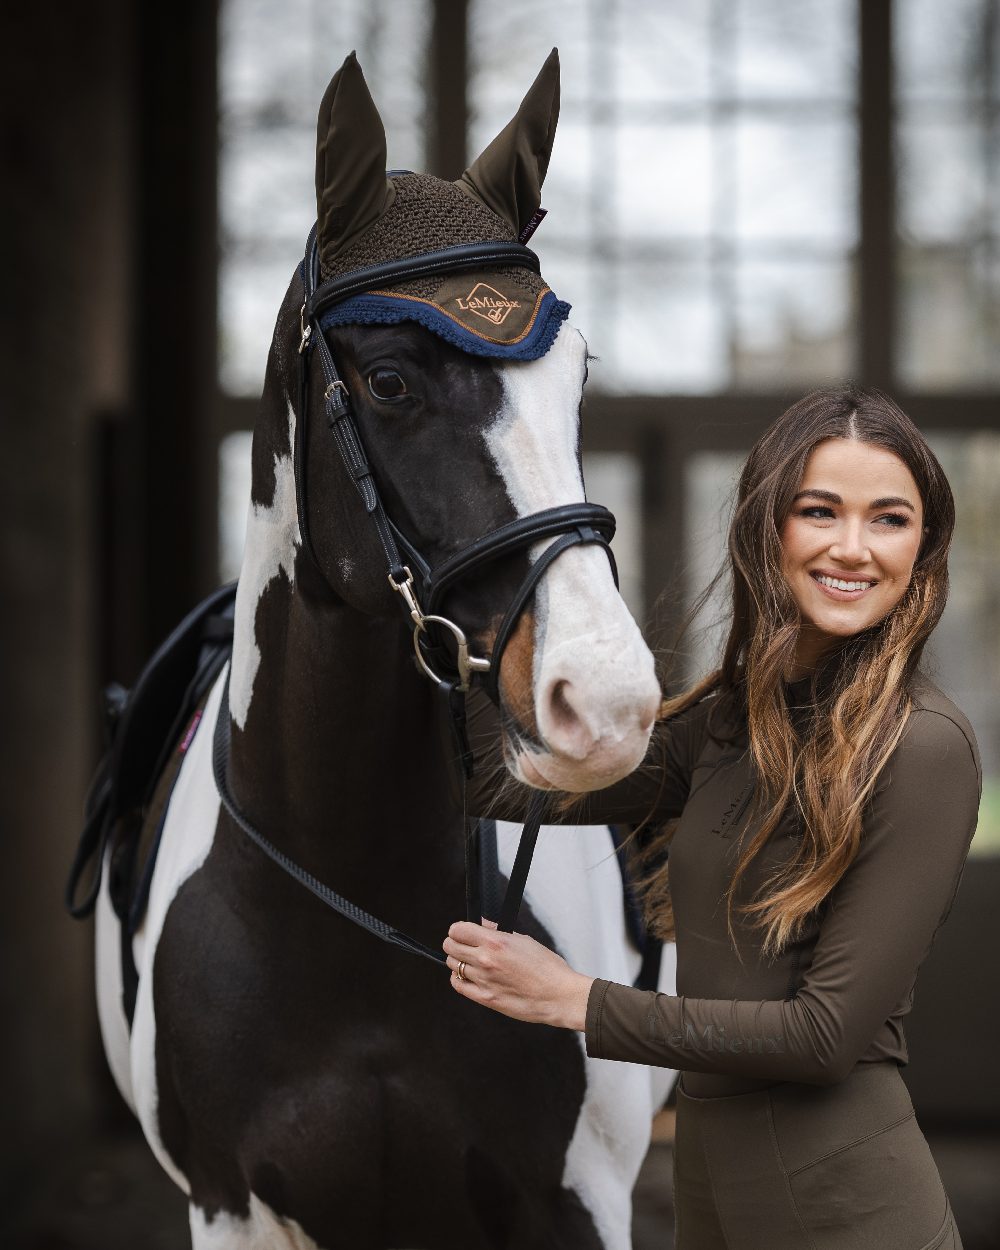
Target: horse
pixel 304 1084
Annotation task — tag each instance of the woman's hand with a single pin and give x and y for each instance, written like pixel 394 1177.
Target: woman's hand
pixel 515 975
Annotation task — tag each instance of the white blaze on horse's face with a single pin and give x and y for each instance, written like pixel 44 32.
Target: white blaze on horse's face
pixel 594 688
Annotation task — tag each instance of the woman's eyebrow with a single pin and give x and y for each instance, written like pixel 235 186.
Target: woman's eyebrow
pixel 887 501
pixel 892 501
pixel 819 494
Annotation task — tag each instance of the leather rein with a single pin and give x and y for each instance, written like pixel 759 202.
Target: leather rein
pixel 440 645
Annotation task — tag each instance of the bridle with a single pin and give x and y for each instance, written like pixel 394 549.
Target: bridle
pixel 441 647
pixel 421 587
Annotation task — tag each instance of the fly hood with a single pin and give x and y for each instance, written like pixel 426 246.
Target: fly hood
pixel 366 219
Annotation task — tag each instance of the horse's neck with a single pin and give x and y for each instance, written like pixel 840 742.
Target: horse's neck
pixel 342 757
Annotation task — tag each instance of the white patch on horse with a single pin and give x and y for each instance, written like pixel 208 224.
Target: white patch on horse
pixel 272 540
pixel 108 977
pixel 533 442
pixel 595 685
pixel 187 838
pixel 575 890
pixel 262 1229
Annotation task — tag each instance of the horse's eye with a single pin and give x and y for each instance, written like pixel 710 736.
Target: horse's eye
pixel 386 384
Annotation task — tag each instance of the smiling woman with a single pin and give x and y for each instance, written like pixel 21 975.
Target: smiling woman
pixel 813 799
pixel 848 559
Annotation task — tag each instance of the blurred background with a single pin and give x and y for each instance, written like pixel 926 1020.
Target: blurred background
pixel 747 199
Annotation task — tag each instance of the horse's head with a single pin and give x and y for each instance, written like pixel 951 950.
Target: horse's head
pixel 465 387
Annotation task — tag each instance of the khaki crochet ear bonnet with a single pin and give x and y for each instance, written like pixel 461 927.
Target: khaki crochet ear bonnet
pixel 366 217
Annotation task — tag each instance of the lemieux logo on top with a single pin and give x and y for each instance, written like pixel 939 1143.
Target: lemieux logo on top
pixel 486 302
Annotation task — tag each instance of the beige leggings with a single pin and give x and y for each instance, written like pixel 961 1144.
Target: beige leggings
pixel 808 1167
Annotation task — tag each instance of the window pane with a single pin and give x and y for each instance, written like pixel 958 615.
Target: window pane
pixel 274 64
pixel 943 182
pixel 710 480
pixel 948 157
pixel 950 319
pixel 252 285
pixel 509 43
pixel 796 182
pixel 793 322
pixel 718 136
pixel 656 199
pixel 943 50
pixel 664 332
pixel 662 52
pixel 795 51
pixel 234 500
pixel 964 651
pixel 267 186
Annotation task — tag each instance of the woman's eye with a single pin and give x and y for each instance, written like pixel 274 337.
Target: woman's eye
pixel 894 520
pixel 822 514
pixel 386 384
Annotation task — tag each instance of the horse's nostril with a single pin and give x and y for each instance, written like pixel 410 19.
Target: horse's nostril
pixel 560 709
pixel 562 726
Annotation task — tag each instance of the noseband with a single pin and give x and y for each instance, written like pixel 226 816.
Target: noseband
pixel 422 588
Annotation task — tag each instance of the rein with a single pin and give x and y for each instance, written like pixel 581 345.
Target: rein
pixel 421 587
pixel 344 907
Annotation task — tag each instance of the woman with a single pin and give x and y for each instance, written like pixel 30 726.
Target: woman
pixel 822 794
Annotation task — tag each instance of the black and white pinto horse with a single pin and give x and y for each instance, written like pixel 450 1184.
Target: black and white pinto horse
pixel 303 1083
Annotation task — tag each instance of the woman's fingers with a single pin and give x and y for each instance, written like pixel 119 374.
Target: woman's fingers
pixel 468 932
pixel 458 949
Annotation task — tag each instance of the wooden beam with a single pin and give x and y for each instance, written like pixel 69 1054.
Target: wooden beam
pixel 447 109
pixel 877 252
pixel 174 309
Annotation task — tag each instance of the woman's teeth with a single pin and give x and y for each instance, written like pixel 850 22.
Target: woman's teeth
pixel 838 584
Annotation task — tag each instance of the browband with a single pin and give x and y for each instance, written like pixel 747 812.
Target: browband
pixel 424 265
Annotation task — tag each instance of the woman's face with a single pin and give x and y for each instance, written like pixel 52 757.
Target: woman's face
pixel 849 542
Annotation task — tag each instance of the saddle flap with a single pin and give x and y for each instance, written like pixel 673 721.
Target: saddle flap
pixel 159 699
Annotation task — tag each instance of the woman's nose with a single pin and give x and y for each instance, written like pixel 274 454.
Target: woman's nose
pixel 850 544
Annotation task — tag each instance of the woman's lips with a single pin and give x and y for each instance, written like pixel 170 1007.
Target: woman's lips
pixel 841 596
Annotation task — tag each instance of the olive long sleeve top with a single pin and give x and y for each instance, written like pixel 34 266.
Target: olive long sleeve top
pixel 838 994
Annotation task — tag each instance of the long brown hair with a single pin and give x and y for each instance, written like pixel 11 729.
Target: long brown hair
pixel 859 696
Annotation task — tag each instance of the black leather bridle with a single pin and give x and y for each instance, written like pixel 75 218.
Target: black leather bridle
pixel 421 587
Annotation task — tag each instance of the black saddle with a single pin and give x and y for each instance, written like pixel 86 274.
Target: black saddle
pixel 143 728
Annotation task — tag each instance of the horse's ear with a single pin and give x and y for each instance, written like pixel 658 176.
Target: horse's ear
pixel 508 176
pixel 352 190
